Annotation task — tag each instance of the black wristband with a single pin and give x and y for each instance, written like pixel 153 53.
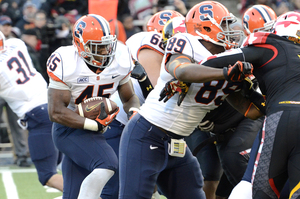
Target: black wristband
pixel 146 86
pixel 259 101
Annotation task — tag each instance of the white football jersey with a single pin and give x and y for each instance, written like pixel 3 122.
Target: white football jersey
pixel 137 42
pixel 66 66
pixel 122 115
pixel 21 86
pixel 200 99
pixel 142 40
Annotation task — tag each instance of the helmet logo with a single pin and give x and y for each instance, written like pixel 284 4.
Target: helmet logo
pixel 204 11
pixel 288 22
pixel 181 28
pixel 79 29
pixel 164 17
pixel 245 20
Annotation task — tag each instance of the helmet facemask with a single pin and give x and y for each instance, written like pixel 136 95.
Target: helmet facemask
pixel 267 27
pixel 100 53
pixel 226 36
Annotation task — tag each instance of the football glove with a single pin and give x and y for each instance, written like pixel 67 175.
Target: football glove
pixel 248 87
pixel 103 119
pixel 206 126
pixel 238 72
pixel 249 91
pixel 174 86
pixel 138 72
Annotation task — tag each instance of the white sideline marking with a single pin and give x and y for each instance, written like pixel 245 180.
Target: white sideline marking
pixel 5 169
pixel 51 190
pixel 10 187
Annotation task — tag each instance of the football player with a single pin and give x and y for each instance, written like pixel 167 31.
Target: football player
pixel 258 18
pixel 147 51
pixel 152 145
pixel 25 91
pixel 275 59
pixel 95 65
pixel 227 126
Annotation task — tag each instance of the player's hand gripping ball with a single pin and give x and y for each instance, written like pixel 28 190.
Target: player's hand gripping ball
pixel 90 108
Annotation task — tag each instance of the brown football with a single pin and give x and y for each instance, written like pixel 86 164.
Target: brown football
pixel 90 108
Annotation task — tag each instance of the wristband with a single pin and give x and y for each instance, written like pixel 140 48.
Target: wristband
pixel 259 101
pixel 90 125
pixel 143 79
pixel 134 109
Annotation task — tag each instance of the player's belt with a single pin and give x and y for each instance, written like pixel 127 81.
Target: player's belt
pixel 169 133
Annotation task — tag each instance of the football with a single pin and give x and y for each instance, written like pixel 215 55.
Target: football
pixel 90 108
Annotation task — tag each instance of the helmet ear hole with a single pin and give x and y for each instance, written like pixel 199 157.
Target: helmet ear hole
pixel 193 16
pixel 208 29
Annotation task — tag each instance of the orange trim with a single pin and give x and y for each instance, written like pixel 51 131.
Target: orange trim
pixel 183 57
pixel 174 71
pixel 52 76
pixel 272 184
pixel 126 75
pixel 246 113
pixel 167 58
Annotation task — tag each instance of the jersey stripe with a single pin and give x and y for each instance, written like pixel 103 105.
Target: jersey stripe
pixel 52 76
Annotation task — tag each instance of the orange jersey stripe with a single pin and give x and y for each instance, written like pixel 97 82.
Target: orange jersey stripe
pixel 53 77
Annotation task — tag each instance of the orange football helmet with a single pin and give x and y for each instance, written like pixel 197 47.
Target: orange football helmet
pixel 258 18
pixel 94 41
pixel 2 42
pixel 210 20
pixel 158 20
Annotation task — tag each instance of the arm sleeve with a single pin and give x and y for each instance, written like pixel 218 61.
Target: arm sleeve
pixel 58 85
pixel 125 80
pixel 250 54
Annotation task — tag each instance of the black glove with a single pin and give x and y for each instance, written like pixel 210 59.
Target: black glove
pixel 174 86
pixel 138 72
pixel 248 87
pixel 238 72
pixel 249 91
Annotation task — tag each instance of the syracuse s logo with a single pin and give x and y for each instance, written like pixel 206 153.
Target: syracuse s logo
pixel 79 29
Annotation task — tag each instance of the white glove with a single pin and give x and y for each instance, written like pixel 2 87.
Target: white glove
pixel 243 190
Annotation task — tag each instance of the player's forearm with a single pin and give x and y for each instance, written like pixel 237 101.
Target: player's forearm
pixel 244 106
pixel 66 117
pixel 58 101
pixel 189 72
pixel 132 102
